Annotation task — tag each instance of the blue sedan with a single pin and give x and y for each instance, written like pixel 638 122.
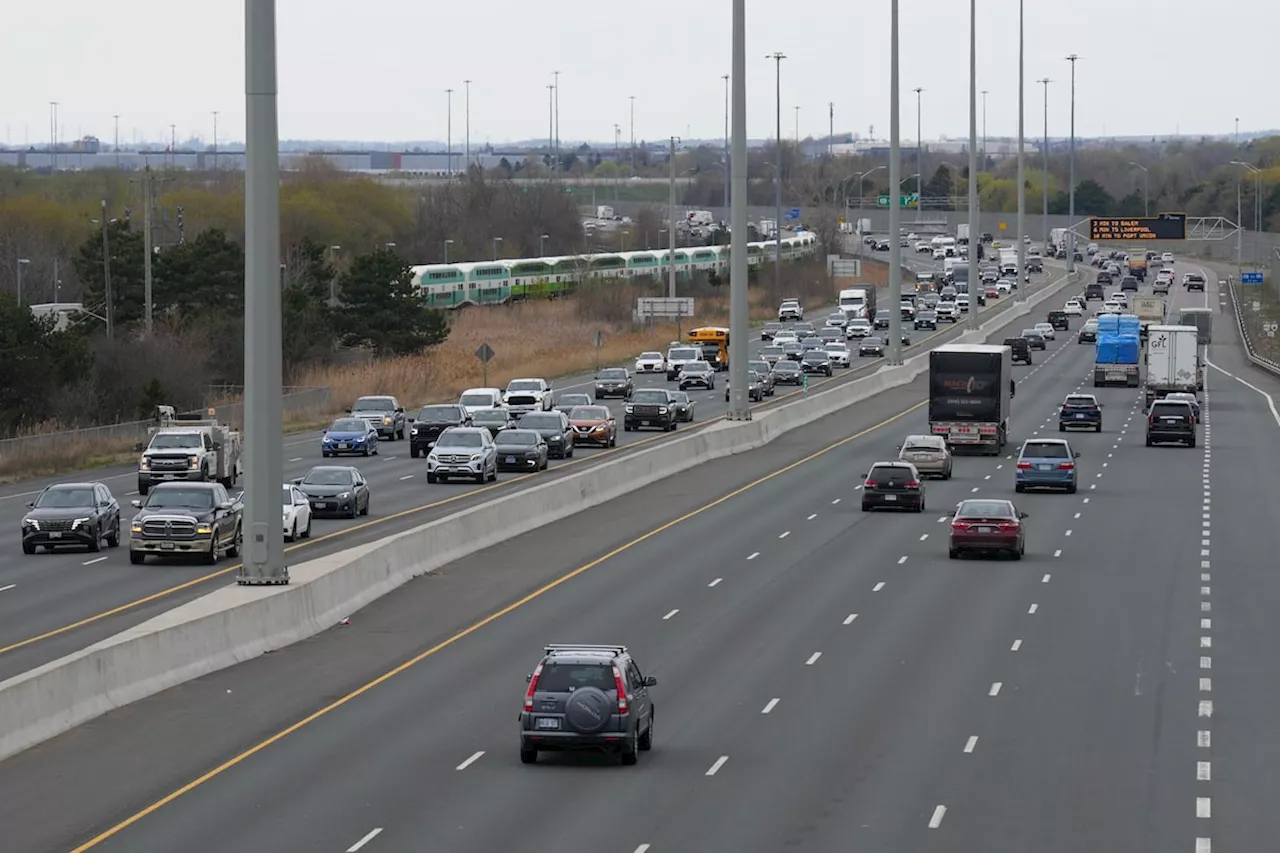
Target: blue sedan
pixel 1046 463
pixel 350 436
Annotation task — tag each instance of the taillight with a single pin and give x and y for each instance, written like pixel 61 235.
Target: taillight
pixel 913 484
pixel 533 685
pixel 959 525
pixel 1008 525
pixel 622 690
pixel 870 484
pixel 1024 466
pixel 1066 466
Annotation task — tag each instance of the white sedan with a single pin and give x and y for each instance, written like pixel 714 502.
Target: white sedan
pixel 1167 258
pixel 297 513
pixel 1046 330
pixel 838 352
pixel 1004 285
pixel 1073 308
pixel 1111 307
pixel 651 362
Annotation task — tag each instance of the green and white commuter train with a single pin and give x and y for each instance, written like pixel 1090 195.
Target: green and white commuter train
pixel 495 282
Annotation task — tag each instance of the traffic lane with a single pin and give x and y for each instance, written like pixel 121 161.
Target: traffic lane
pixel 1097 714
pixel 1240 497
pixel 42 634
pixel 132 756
pixel 695 544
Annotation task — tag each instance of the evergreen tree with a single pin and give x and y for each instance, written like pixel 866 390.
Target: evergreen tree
pixel 380 310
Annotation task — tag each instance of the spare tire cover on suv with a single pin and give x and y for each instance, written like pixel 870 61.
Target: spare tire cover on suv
pixel 588 710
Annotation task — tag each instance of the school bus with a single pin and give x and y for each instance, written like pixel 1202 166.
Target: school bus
pixel 714 341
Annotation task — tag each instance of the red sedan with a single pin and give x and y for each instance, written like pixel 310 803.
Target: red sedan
pixel 987 527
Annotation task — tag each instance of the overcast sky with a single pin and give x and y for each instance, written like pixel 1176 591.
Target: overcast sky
pixel 378 70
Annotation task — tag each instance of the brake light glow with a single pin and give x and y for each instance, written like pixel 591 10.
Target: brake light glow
pixel 533 685
pixel 1008 525
pixel 1066 466
pixel 913 484
pixel 1024 466
pixel 959 525
pixel 870 484
pixel 622 690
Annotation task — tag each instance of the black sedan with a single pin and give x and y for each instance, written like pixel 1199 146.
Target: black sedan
pixel 430 422
pixel 495 420
pixel 697 374
pixel 335 490
pixel 792 351
pixel 787 373
pixel 683 406
pixel 893 485
pixel 614 382
pixel 1034 339
pixel 555 429
pixel 871 347
pixel 521 450
pixel 755 388
pixel 816 361
pixel 79 514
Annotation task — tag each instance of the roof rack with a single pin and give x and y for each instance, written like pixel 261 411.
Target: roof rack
pixel 584 647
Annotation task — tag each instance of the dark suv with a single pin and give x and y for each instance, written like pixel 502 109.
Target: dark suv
pixel 1171 421
pixel 587 697
pixel 893 485
pixel 430 422
pixel 1021 349
pixel 1095 291
pixel 1059 321
pixel 649 407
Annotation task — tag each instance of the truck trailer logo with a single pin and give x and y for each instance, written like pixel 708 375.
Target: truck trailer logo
pixel 971 385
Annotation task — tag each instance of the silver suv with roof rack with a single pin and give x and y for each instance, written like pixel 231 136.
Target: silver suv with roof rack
pixel 587 697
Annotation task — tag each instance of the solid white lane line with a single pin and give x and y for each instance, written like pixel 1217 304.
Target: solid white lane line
pixel 94 560
pixel 938 814
pixel 1017 644
pixel 848 620
pixel 1033 608
pixel 995 688
pixel 813 658
pixel 773 703
pixel 715 582
pixel 1204 807
pixel 672 613
pixel 715 768
pixel 753 555
pixel 363 841
pixel 901 560
pixel 812 517
pixel 878 587
pixel 784 534
pixel 971 743
pixel 472 760
pixel 8 587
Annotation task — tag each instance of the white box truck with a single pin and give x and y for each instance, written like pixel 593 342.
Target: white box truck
pixel 1173 362
pixel 1150 311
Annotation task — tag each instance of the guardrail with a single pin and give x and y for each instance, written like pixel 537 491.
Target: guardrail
pixel 1249 351
pixel 295 400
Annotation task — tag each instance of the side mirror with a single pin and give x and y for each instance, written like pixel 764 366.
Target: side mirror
pixel 1077 454
pixel 528 677
pixel 399 410
pixel 297 481
pixel 31 504
pixel 217 445
pixel 137 504
pixel 650 681
pixel 225 505
pixel 139 447
pixel 1024 515
pixel 348 411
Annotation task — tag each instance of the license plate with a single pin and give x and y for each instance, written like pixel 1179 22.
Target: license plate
pixel 322 505
pixel 1044 467
pixel 511 460
pixel 890 497
pixel 644 423
pixel 343 446
pixel 55 534
pixel 1081 417
pixel 167 546
pixel 167 476
pixel 986 530
pixel 548 723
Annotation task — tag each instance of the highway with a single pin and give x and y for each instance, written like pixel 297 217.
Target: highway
pixel 828 679
pixel 57 603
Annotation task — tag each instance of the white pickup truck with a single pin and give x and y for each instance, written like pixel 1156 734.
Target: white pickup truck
pixel 527 395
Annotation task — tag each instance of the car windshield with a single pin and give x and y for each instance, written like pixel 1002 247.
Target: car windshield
pixel 613 373
pixel 350 425
pixel 678 396
pixel 175 440
pixel 56 498
pixel 524 385
pixel 684 353
pixel 589 413
pixel 985 509
pixel 490 416
pixel 872 342
pixel 517 437
pixel 1045 450
pixel 563 678
pixel 651 356
pixel 922 442
pixel 373 404
pixel 163 498
pixel 460 439
pixel 650 397
pixel 475 400
pixel 541 421
pixel 440 413
pixel 785 367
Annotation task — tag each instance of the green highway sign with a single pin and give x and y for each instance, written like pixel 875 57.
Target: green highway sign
pixel 912 200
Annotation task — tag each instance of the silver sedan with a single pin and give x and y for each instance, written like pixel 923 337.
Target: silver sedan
pixel 929 453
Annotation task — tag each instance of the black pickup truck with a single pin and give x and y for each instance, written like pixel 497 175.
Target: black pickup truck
pixel 185 520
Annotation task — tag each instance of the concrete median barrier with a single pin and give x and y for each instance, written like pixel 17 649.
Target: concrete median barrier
pixel 234 624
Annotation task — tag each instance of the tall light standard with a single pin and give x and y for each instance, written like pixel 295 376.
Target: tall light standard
pixel 108 311
pixel 542 245
pixel 895 170
pixel 447 244
pixel 974 321
pixel 551 125
pixel 1146 187
pixel 556 90
pixel 215 140
pixel 797 109
pixel 53 133
pixel 497 241
pixel 777 57
pixel 467 123
pixel 117 142
pixel 740 405
pixel 671 222
pixel 22 262
pixel 1257 210
pixel 919 90
pixel 1071 174
pixel 1022 181
pixel 1044 179
pixel 862 179
pixel 727 170
pixel 633 134
pixel 448 134
pixel 264 560
pixel 617 160
pixel 985 92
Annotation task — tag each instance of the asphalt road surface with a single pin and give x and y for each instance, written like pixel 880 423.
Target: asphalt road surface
pixel 54 603
pixel 828 679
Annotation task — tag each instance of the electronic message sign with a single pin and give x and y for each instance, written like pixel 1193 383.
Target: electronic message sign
pixel 1166 226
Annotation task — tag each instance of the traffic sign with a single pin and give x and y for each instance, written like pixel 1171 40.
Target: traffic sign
pixel 1003 226
pixel 484 352
pixel 1166 226
pixel 1251 278
pixel 793 213
pixel 912 200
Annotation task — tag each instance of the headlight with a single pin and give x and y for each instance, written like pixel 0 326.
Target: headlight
pixel 204 529
pixel 554 439
pixel 662 410
pixel 344 496
pixel 31 522
pixel 78 522
pixel 629 409
pixel 144 464
pixel 135 527
pixel 193 461
pixel 476 457
pixel 414 431
pixel 386 421
pixel 328 439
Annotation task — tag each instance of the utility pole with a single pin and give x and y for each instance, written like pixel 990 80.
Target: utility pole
pixel 173 146
pixel 984 129
pixel 1071 172
pixel 974 233
pixel 448 144
pixel 919 162
pixel 728 158
pixel 215 140
pixel 117 143
pixel 671 224
pixel 556 132
pixel 467 131
pixel 633 134
pixel 1044 180
pixel 797 109
pixel 740 404
pixel 1022 189
pixel 895 190
pixel 264 560
pixel 109 311
pixel 147 240
pixel 551 125
pixel 831 126
pixel 777 225
pixel 53 134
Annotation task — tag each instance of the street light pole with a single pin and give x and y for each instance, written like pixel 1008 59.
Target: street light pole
pixel 671 223
pixel 108 311
pixel 1044 179
pixel 496 242
pixel 974 320
pixel 727 158
pixel 777 57
pixel 797 109
pixel 22 262
pixel 264 561
pixel 985 92
pixel 919 159
pixel 895 190
pixel 551 125
pixel 1022 189
pixel 633 134
pixel 1146 187
pixel 448 145
pixel 215 141
pixel 1071 172
pixel 740 404
pixel 467 123
pixel 556 74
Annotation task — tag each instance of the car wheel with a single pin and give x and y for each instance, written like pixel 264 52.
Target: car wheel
pixel 414 452
pixel 306 534
pixel 365 452
pixel 355 508
pixel 292 535
pixel 365 511
pixel 953 554
pixel 28 548
pixel 1071 489
pixel 431 478
pixel 1098 428
pixel 1015 555
pixel 1018 487
pixel 1062 428
pixel 212 557
pixel 481 477
pixel 96 545
pixel 137 558
pixel 631 751
pixel 528 754
pixel 113 539
pixel 866 507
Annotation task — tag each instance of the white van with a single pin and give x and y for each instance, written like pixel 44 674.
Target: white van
pixel 478 399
